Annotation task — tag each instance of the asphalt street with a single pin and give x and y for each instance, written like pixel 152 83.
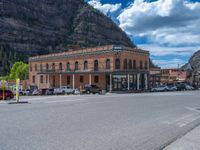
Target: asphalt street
pixel 148 121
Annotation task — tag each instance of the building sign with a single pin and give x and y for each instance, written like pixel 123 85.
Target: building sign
pixel 118 48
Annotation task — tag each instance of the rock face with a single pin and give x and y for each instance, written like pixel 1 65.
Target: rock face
pixel 44 26
pixel 194 62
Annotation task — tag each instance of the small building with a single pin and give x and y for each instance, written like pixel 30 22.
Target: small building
pixel 173 76
pixel 111 67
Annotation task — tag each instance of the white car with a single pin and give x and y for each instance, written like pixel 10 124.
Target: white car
pixel 64 90
pixel 188 87
pixel 161 88
pixel 77 92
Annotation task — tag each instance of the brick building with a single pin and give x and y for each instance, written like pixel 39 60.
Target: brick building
pixel 110 67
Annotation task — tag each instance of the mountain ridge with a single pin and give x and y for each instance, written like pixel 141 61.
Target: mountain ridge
pixel 38 27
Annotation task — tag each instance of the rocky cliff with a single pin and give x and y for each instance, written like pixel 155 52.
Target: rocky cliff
pixel 45 26
pixel 194 62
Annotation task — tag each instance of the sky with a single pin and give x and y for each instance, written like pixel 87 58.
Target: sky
pixel 169 29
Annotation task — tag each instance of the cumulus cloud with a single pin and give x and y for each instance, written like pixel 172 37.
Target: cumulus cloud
pixel 105 8
pixel 159 51
pixel 173 63
pixel 164 22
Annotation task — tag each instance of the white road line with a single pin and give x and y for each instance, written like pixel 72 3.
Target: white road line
pixel 61 101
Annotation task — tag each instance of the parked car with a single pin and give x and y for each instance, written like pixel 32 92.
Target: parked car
pixel 77 92
pixel 7 95
pixel 181 87
pixel 188 87
pixel 172 87
pixel 37 92
pixel 49 92
pixel 64 90
pixel 25 92
pixel 94 89
pixel 161 88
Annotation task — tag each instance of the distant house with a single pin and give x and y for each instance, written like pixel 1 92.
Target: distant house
pixel 173 75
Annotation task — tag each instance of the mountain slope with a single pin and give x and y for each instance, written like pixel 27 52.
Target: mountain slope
pixel 44 26
pixel 194 62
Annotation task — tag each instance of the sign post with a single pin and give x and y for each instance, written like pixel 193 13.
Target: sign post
pixel 17 89
pixel 3 89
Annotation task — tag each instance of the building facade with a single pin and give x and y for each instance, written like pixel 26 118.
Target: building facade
pixel 154 77
pixel 173 76
pixel 112 68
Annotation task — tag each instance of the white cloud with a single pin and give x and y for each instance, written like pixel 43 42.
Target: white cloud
pixel 171 22
pixel 173 63
pixel 105 8
pixel 157 50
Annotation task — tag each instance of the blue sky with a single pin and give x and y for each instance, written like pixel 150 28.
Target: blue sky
pixel 169 29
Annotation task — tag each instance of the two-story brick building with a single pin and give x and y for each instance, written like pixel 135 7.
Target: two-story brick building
pixel 110 67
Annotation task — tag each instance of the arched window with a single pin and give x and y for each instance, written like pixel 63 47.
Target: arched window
pixel 53 67
pixel 96 65
pixel 47 67
pixel 68 66
pixel 76 66
pixel 146 65
pixel 85 65
pixel 134 64
pixel 130 65
pixel 141 64
pixel 60 66
pixel 41 68
pixel 107 63
pixel 125 64
pixel 117 63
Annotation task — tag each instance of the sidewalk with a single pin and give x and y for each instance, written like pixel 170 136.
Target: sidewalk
pixel 191 141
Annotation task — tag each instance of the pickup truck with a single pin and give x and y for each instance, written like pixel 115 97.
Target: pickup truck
pixel 64 90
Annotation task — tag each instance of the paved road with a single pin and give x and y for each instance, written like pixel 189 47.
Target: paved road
pixel 99 122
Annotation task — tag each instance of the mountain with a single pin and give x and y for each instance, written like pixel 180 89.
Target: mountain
pixel 194 62
pixel 44 26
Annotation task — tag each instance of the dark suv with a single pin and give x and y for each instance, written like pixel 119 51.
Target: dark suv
pixel 94 89
pixel 7 95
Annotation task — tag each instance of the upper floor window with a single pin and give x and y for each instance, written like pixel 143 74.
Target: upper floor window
pixel 130 65
pixel 47 67
pixel 96 65
pixel 134 64
pixel 41 68
pixel 108 64
pixel 117 63
pixel 85 65
pixel 53 67
pixel 141 64
pixel 30 68
pixel 68 66
pixel 146 65
pixel 35 67
pixel 60 67
pixel 125 64
pixel 76 66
